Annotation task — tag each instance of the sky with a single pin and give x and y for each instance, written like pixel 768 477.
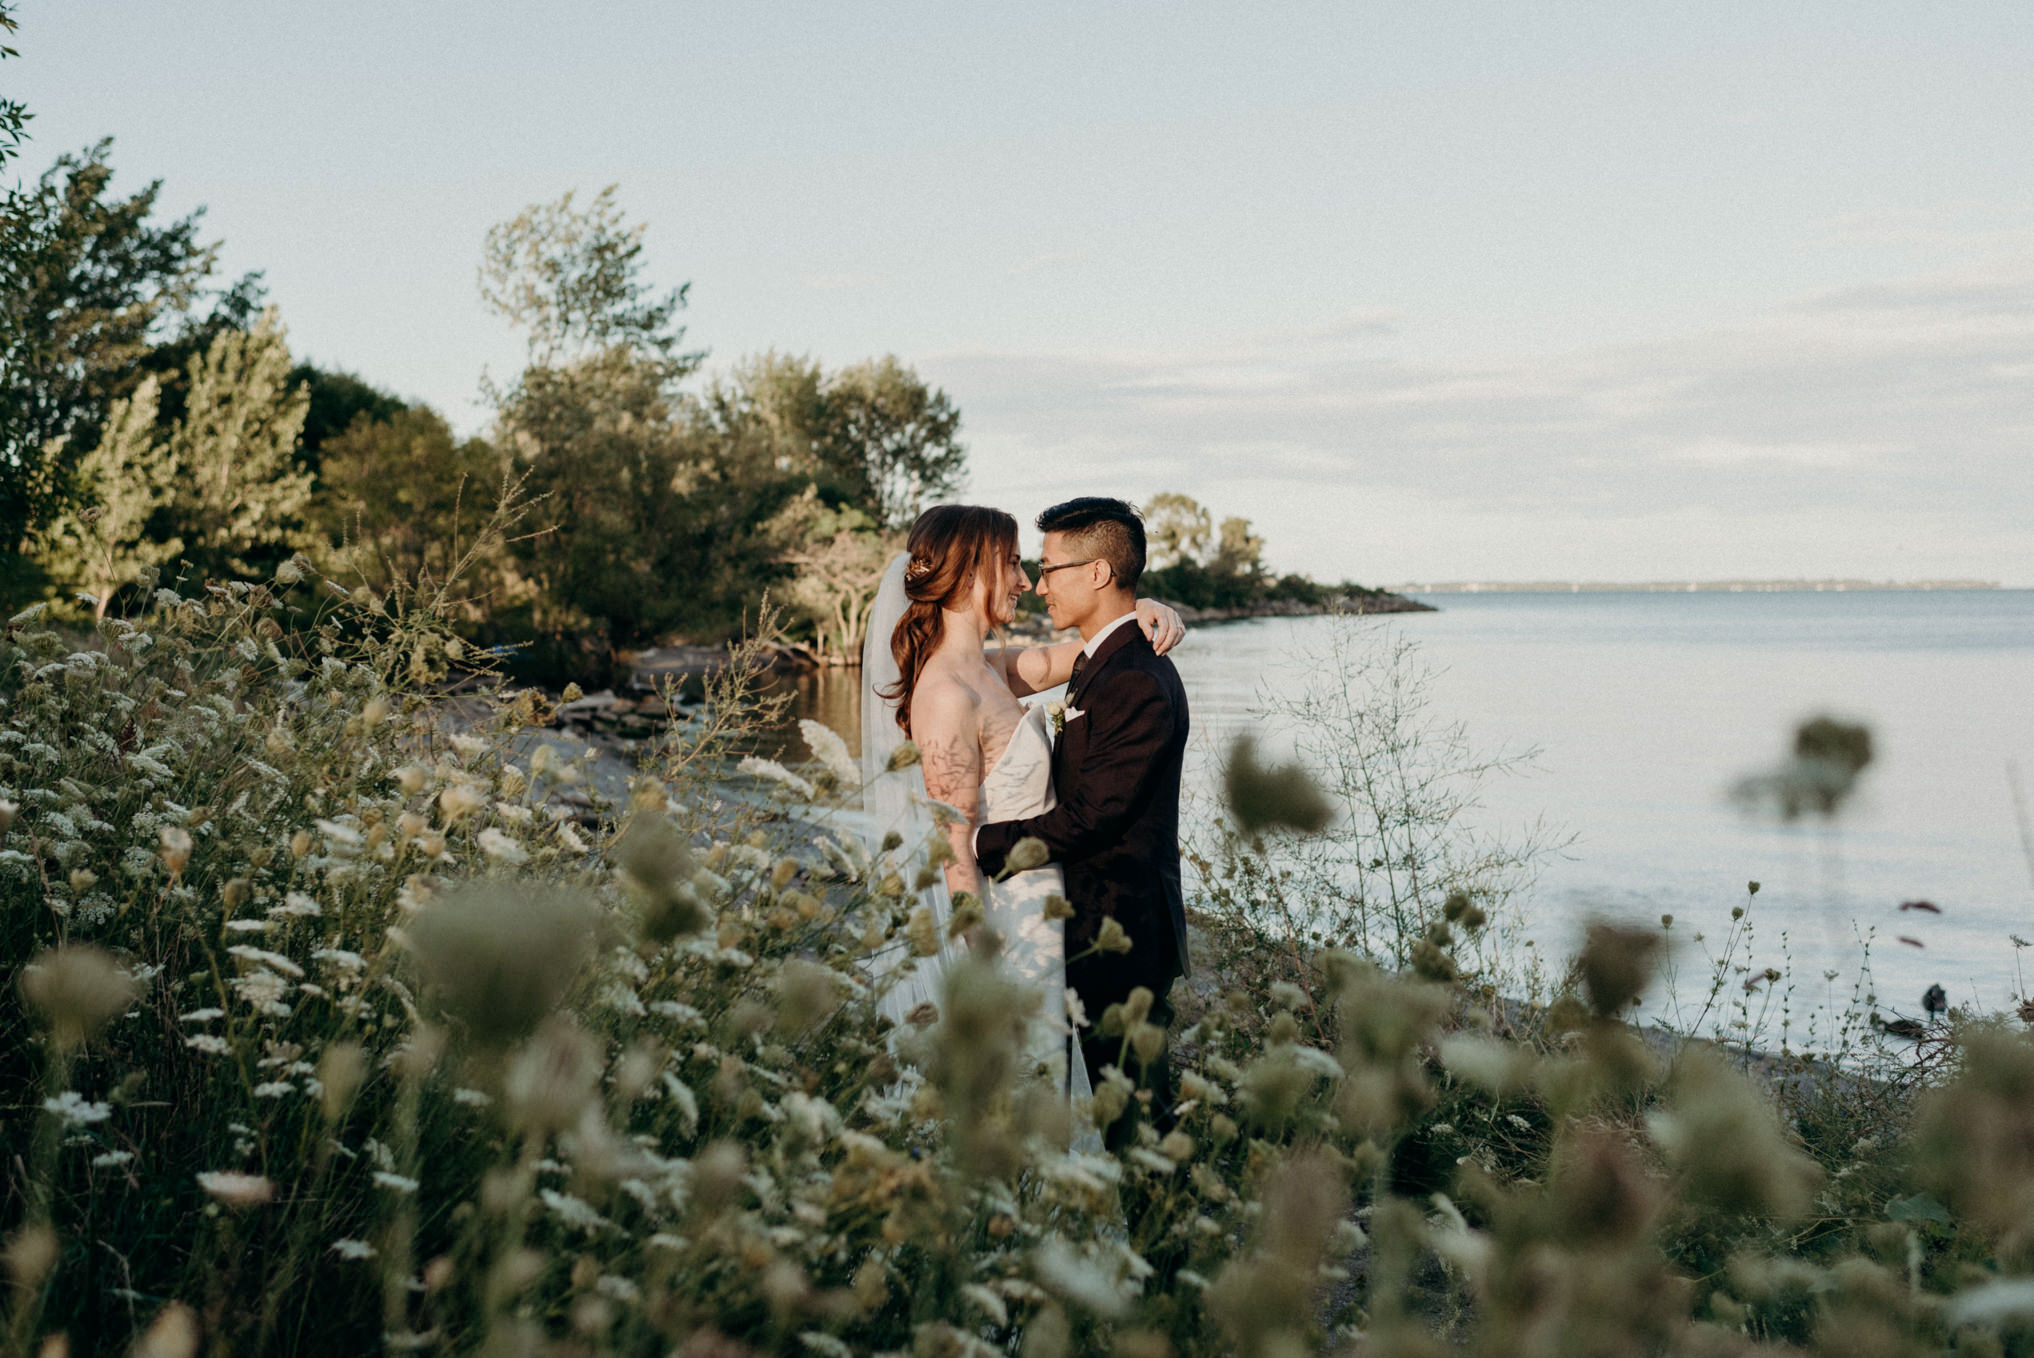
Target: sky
pixel 1427 292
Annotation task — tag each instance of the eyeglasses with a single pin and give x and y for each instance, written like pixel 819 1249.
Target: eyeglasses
pixel 1044 571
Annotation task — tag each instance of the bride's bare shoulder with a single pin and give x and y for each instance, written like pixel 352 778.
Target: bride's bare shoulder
pixel 943 703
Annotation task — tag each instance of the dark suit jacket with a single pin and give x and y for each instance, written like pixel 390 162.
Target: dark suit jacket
pixel 1115 830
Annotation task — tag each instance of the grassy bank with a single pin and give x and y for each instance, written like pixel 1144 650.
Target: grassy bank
pixel 326 1036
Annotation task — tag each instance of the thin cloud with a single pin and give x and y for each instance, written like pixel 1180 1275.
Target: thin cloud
pixel 1854 409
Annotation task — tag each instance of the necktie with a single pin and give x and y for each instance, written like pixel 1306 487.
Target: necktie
pixel 1074 676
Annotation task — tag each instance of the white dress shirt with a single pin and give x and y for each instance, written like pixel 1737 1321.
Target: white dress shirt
pixel 1092 645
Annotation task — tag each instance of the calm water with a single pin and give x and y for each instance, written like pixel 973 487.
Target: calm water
pixel 1646 707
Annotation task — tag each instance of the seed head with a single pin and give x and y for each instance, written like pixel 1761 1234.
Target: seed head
pixel 552 1078
pixel 1263 797
pixel 236 1189
pixel 499 956
pixel 1616 963
pixel 31 1253
pixel 78 989
pixel 340 1073
pixel 1111 938
pixel 1028 853
pixel 174 1334
pixel 176 848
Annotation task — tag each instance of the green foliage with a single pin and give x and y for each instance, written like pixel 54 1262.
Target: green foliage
pixel 110 534
pixel 571 279
pixel 402 498
pixel 89 286
pixel 337 400
pixel 872 436
pixel 637 497
pixel 1194 564
pixel 14 115
pixel 241 498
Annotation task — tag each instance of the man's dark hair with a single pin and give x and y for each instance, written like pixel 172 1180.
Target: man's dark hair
pixel 1103 530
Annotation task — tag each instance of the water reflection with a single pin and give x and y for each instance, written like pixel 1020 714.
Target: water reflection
pixel 832 696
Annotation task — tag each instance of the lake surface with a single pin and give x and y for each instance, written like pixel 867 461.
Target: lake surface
pixel 1646 708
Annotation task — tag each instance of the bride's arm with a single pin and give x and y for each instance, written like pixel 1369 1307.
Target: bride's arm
pixel 946 722
pixel 1035 669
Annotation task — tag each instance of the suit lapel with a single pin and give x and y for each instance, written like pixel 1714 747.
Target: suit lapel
pixel 1111 646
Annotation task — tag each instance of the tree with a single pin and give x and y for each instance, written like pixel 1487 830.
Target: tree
pixel 100 543
pixel 892 439
pixel 14 115
pixel 872 435
pixel 89 289
pixel 241 496
pixel 403 497
pixel 571 279
pixel 1239 553
pixel 336 401
pixel 839 566
pixel 1176 529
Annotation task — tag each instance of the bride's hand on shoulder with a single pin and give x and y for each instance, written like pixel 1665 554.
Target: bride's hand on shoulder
pixel 1162 625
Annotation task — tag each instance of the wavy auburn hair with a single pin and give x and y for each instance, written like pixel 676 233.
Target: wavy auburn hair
pixel 949 546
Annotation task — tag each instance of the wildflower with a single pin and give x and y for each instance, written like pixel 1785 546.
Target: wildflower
pixel 396 1183
pixel 1616 963
pixel 553 1078
pixel 1111 937
pixel 79 989
pixel 657 861
pixel 208 1044
pixel 352 1249
pixel 75 1110
pixel 297 904
pixel 499 846
pixel 176 848
pixel 459 801
pixel 83 880
pixel 112 1159
pixel 1057 907
pixel 569 837
pixel 1028 853
pixel 923 931
pixel 469 747
pixel 341 1071
pixel 830 750
pixel 412 779
pixel 1725 1138
pixel 248 953
pixel 249 926
pixel 573 1211
pixel 274 1089
pixel 236 1189
pixel 1262 797
pixel 774 772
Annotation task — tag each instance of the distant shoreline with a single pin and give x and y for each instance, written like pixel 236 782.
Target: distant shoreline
pixel 1691 586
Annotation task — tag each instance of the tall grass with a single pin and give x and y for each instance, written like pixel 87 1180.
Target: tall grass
pixel 331 1032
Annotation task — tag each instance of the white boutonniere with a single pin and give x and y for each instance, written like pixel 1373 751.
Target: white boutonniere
pixel 1055 716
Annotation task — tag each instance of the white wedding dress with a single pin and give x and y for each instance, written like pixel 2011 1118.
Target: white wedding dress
pixel 1018 785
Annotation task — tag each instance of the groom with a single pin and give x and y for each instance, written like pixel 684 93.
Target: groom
pixel 1115 773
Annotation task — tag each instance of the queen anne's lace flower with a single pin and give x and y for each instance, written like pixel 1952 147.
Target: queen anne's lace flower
pixel 76 1110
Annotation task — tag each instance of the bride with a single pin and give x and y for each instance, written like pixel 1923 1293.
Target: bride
pixel 931 674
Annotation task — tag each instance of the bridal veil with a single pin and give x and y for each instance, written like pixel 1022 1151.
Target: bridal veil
pixel 894 801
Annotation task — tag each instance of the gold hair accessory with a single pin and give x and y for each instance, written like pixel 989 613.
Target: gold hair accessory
pixel 918 569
